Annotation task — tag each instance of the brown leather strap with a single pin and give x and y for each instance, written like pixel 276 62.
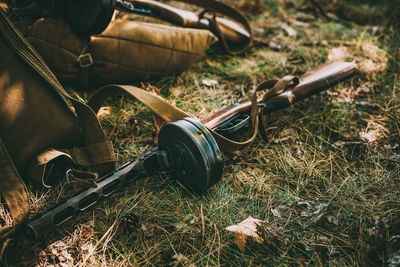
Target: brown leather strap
pixel 157 104
pixel 275 87
pixel 217 32
pixel 229 11
pixel 165 110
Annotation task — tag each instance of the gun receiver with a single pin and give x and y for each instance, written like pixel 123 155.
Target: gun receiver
pixel 236 116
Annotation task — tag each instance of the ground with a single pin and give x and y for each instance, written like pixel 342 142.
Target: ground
pixel 325 187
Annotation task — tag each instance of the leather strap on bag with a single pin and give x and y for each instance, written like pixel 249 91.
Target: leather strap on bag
pixel 224 9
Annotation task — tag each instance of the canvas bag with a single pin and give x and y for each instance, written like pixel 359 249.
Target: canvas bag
pixel 39 122
pixel 127 51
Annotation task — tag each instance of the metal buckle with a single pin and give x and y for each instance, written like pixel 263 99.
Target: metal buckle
pixel 85 60
pixel 68 176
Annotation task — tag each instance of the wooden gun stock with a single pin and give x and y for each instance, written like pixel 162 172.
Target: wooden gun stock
pixel 312 82
pixel 231 30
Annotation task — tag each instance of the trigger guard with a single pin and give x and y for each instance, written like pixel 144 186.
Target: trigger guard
pixel 194 157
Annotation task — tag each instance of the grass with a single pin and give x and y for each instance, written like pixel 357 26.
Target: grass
pixel 315 163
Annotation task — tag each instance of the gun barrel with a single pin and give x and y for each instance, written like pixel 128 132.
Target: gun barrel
pixel 85 199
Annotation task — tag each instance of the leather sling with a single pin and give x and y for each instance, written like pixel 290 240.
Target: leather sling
pixel 227 10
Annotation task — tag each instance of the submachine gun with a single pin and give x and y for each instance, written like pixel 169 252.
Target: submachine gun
pixel 187 149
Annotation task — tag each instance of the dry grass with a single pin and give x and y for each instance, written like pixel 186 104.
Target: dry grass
pixel 326 184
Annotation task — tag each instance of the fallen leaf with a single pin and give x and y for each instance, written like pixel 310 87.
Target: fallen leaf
pixel 60 254
pixel 245 229
pixel 315 211
pixel 209 82
pixel 368 66
pixel 181 226
pixel 373 132
pixel 88 247
pixel 338 54
pixel 289 30
pixel 158 124
pixel 372 51
pixel 175 91
pixel 304 17
pixel 287 135
pixel 301 23
pixel 364 88
pixel 276 213
pixel 104 112
pixel 375 59
pixel 151 88
pixel 333 219
pixel 179 260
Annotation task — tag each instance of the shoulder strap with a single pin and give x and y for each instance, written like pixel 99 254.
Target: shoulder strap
pixel 229 11
pixel 166 111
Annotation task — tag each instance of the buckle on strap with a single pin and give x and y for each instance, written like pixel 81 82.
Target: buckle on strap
pixel 85 60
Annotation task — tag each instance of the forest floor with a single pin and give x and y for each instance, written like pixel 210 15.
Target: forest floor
pixel 325 187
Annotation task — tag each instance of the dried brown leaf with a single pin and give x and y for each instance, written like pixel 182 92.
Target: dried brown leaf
pixel 176 91
pixel 158 124
pixel 246 229
pixel 338 53
pixel 104 112
pixel 289 30
pixel 151 88
pixel 209 82
pixel 374 132
pixel 276 213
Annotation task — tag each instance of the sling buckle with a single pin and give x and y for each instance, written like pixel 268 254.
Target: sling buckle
pixel 85 60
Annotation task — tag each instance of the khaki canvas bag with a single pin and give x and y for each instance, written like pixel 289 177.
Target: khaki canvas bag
pixel 39 123
pixel 127 51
